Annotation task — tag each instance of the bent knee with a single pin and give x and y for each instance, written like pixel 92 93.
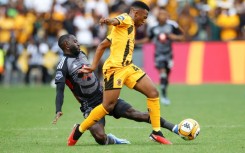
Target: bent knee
pixel 109 106
pixel 153 94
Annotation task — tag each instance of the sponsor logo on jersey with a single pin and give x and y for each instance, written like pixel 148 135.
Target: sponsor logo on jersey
pixel 58 75
pixel 121 18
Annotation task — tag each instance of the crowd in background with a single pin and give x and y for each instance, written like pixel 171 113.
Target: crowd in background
pixel 29 29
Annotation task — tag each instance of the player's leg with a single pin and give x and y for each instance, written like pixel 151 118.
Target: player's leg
pixel 125 110
pixel 98 132
pixel 146 86
pixel 109 100
pixel 163 85
pixel 110 96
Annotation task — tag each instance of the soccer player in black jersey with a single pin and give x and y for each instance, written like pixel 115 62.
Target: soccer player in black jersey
pixel 162 35
pixel 87 90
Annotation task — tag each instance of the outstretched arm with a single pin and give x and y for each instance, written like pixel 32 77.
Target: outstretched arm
pixel 60 87
pixel 99 52
pixel 109 21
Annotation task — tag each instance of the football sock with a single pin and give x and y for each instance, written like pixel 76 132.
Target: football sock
pixel 154 111
pixel 164 83
pixel 165 124
pixel 175 129
pixel 77 134
pixel 95 115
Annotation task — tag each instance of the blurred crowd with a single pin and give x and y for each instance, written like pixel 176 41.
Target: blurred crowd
pixel 29 29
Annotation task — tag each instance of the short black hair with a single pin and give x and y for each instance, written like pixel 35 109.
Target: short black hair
pixel 62 39
pixel 140 4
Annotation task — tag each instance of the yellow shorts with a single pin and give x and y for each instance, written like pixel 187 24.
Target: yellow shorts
pixel 115 78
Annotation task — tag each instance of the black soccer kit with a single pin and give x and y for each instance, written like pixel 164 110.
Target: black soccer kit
pixel 85 87
pixel 163 49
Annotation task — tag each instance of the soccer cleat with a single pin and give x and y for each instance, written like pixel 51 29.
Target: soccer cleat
pixel 158 137
pixel 165 101
pixel 74 136
pixel 118 140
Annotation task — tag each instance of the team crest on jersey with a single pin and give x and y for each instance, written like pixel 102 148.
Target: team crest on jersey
pixel 58 75
pixel 121 18
pixel 119 82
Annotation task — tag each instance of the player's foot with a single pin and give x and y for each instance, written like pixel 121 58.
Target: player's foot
pixel 165 101
pixel 74 136
pixel 118 140
pixel 158 137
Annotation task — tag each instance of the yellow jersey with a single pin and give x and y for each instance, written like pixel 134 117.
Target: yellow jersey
pixel 122 39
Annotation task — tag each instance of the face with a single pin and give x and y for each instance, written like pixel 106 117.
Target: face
pixel 73 46
pixel 140 17
pixel 162 16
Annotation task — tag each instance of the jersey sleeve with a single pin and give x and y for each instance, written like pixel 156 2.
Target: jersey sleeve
pixel 61 71
pixel 150 33
pixel 176 28
pixel 123 19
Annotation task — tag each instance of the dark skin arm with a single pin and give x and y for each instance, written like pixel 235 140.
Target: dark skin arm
pixel 60 87
pixel 98 54
pixel 101 48
pixel 109 21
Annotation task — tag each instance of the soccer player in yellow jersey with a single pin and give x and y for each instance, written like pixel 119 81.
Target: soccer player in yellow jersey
pixel 119 70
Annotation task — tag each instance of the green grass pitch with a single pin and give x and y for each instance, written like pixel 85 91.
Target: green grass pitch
pixel 26 114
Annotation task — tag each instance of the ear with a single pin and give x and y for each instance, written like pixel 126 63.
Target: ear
pixel 66 44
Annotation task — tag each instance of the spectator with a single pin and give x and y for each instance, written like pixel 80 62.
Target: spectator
pixel 229 22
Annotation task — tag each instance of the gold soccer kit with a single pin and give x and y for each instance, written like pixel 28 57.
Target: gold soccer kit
pixel 118 69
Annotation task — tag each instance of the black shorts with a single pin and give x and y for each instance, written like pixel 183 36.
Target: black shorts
pixel 120 108
pixel 164 61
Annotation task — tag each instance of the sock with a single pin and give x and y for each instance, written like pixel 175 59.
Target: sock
pixel 154 111
pixel 164 83
pixel 176 129
pixel 95 115
pixel 165 124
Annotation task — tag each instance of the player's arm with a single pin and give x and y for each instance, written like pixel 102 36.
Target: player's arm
pixel 97 56
pixel 109 21
pixel 177 34
pixel 149 36
pixel 60 87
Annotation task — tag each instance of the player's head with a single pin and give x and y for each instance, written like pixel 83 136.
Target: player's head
pixel 162 15
pixel 69 44
pixel 139 10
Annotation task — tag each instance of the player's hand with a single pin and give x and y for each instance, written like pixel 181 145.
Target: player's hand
pixel 104 21
pixel 58 115
pixel 86 69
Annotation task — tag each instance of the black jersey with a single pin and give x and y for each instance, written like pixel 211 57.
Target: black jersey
pixel 164 48
pixel 85 87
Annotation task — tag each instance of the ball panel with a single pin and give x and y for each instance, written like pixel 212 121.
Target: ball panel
pixel 189 129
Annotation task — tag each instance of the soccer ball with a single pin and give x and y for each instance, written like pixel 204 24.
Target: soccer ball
pixel 189 129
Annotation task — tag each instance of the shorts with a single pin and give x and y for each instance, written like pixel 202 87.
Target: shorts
pixel 115 78
pixel 164 62
pixel 120 108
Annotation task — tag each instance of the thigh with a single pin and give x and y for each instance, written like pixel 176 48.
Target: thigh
pixel 146 87
pixel 110 99
pixel 135 74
